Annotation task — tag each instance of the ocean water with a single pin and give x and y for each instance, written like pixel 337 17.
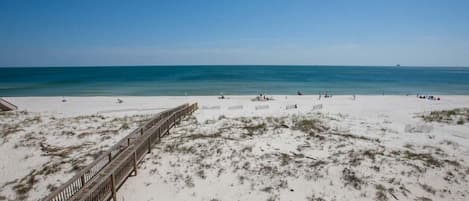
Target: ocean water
pixel 231 80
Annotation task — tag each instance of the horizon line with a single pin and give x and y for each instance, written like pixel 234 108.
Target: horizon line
pixel 231 65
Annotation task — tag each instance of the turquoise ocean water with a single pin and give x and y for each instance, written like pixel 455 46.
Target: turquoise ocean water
pixel 231 80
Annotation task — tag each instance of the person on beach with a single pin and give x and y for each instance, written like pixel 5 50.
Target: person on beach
pixel 261 97
pixel 299 93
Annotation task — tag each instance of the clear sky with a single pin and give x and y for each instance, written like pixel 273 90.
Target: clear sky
pixel 349 32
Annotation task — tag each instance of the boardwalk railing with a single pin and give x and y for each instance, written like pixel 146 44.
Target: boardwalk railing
pixel 6 106
pixel 102 177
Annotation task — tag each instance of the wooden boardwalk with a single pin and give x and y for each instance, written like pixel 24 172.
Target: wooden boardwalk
pixel 6 106
pixel 101 179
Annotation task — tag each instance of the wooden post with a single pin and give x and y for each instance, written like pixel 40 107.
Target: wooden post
pixel 113 187
pixel 82 178
pixel 159 134
pixel 135 163
pixel 149 146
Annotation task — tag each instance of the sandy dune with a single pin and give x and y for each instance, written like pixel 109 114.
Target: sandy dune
pixel 371 148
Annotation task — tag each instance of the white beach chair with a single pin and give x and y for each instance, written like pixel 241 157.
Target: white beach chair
pixel 235 107
pixel 216 107
pixel 317 107
pixel 262 107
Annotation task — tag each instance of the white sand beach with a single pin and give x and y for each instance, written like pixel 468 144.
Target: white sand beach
pixel 370 148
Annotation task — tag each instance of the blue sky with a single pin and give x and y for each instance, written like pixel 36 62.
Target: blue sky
pixel 353 32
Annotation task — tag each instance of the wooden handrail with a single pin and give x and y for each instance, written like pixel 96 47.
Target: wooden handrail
pixel 115 175
pixel 141 134
pixel 6 106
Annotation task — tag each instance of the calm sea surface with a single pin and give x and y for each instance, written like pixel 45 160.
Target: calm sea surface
pixel 236 80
